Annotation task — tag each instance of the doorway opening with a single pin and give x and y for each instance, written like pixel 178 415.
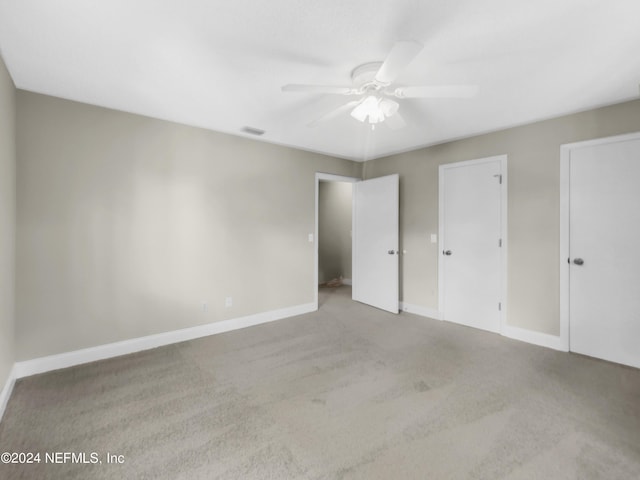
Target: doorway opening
pixel 334 224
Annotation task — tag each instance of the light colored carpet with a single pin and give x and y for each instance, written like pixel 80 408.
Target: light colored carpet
pixel 348 392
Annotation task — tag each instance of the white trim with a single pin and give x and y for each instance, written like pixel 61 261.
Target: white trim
pixel 565 176
pixel 440 240
pixel 6 390
pixel 101 352
pixel 536 338
pixel 516 333
pixel 330 177
pixel 504 234
pixel 565 208
pixel 420 310
pixel 625 137
pixel 326 177
pixel 504 199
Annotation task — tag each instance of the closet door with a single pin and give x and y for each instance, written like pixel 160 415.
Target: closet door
pixel 471 243
pixel 604 251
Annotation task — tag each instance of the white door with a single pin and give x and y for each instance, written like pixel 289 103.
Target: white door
pixel 375 242
pixel 604 251
pixel 471 241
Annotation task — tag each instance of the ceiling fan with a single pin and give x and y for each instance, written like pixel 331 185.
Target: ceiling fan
pixel 372 84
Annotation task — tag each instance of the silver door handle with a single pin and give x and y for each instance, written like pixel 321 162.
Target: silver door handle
pixel 446 252
pixel 578 261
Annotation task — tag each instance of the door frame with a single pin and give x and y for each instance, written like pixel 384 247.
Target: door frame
pixel 503 232
pixel 326 177
pixel 565 212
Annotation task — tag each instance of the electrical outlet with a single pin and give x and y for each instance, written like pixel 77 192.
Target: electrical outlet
pixel 205 307
pixel 228 302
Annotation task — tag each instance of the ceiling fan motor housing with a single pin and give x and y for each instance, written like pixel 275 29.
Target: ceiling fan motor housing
pixel 364 75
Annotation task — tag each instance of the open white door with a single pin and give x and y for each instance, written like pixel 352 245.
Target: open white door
pixel 375 242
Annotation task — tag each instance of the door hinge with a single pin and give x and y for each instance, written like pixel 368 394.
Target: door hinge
pixel 499 175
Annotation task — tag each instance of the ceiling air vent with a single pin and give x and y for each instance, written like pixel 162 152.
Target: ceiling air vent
pixel 253 130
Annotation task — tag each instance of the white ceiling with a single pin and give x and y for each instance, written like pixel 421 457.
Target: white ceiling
pixel 220 64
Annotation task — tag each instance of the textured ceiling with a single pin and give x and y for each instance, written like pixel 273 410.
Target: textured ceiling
pixel 220 65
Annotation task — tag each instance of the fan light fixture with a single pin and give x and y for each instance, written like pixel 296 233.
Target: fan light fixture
pixel 373 85
pixel 374 109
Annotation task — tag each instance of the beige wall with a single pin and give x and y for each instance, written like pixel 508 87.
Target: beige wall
pixel 7 221
pixel 334 230
pixel 534 190
pixel 127 224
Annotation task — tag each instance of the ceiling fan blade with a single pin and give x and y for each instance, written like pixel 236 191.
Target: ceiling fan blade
pixel 294 87
pixel 395 121
pixel 436 91
pixel 334 113
pixel 400 56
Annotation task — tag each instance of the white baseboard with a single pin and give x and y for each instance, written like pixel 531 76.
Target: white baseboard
pixel 536 338
pixel 422 311
pixel 516 333
pixel 6 391
pixel 101 352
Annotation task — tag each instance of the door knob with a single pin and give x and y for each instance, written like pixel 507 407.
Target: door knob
pixel 578 261
pixel 391 252
pixel 446 252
